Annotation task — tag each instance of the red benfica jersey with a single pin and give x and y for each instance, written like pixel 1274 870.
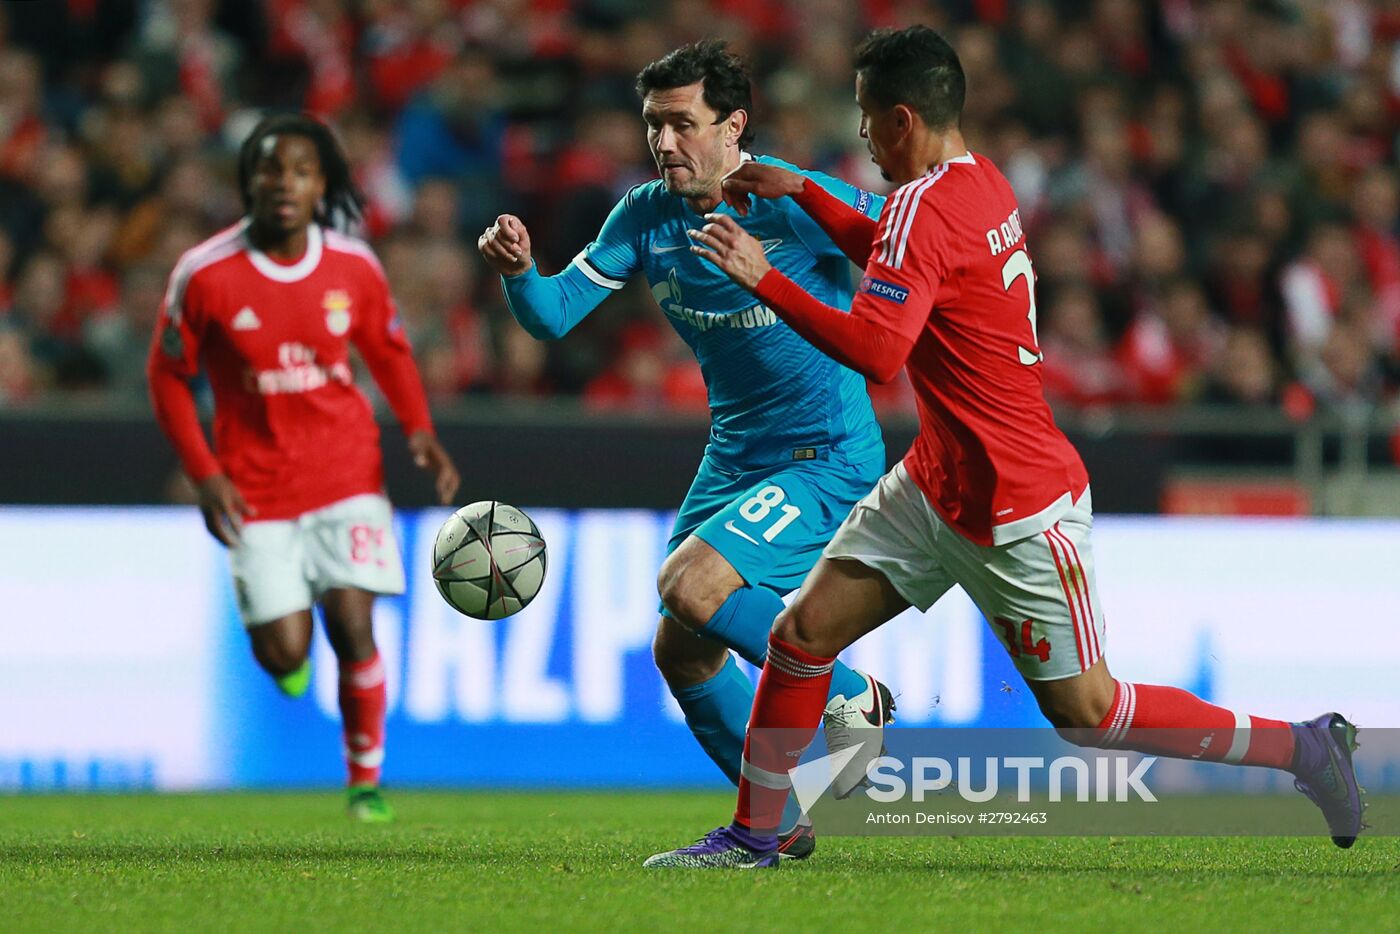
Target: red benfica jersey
pixel 950 271
pixel 291 430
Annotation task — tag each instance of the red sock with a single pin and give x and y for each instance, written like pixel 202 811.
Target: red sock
pixel 362 705
pixel 786 711
pixel 1171 722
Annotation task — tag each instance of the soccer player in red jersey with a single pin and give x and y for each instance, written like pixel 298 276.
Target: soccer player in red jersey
pixel 991 495
pixel 294 485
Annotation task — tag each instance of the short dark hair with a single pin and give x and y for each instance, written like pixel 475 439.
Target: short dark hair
pixel 915 67
pixel 343 204
pixel 724 76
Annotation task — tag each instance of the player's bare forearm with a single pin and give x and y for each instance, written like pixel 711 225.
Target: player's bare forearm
pixel 860 344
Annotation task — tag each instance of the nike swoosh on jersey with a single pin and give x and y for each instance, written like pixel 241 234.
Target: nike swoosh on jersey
pixel 744 535
pixel 669 249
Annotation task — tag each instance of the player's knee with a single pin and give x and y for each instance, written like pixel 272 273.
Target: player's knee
pixel 351 638
pixel 681 596
pixel 279 653
pixel 1076 719
pixel 800 626
pixel 680 664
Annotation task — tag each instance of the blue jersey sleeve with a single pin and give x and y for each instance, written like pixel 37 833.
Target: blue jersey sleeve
pixel 549 306
pixel 866 202
pixel 612 258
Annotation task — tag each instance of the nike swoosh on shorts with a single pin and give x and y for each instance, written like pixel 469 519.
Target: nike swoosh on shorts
pixel 744 535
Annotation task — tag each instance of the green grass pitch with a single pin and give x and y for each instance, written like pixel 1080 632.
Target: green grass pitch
pixel 569 861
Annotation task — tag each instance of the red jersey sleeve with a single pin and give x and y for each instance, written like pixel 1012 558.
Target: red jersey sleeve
pixel 892 305
pixel 173 361
pixel 380 338
pixel 863 345
pixel 851 230
pixel 906 266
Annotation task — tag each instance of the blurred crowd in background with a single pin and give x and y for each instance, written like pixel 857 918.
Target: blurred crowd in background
pixel 1209 186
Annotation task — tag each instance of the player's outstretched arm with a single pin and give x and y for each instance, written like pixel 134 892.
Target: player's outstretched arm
pixel 547 307
pixel 860 340
pixel 854 340
pixel 852 231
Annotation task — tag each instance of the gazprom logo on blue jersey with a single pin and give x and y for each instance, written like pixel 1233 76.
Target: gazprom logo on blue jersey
pixel 668 295
pixel 886 290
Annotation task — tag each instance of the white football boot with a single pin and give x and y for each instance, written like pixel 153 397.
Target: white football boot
pixel 857 721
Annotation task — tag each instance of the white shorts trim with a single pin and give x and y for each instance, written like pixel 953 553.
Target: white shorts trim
pixel 1029 525
pixel 284 566
pixel 1038 593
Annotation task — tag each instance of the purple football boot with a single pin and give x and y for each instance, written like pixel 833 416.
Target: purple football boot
pixel 1322 764
pixel 731 847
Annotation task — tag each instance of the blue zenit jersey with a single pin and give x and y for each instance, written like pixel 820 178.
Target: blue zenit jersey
pixel 773 396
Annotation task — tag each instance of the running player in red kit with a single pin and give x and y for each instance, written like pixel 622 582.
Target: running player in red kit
pixel 294 485
pixel 991 496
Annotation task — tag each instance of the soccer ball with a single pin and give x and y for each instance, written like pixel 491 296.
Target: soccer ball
pixel 488 560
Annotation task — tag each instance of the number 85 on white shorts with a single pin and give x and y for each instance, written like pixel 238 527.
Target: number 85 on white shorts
pixel 283 566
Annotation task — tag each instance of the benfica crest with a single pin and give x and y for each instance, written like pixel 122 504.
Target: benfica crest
pixel 337 306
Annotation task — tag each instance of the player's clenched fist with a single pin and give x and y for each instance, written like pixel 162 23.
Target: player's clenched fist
pixel 505 246
pixel 759 180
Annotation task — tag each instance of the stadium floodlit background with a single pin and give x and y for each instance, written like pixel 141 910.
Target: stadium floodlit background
pixel 1210 193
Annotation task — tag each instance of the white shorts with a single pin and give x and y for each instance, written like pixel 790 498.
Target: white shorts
pixel 282 566
pixel 1038 593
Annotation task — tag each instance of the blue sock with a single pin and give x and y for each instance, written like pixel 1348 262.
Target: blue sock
pixel 743 622
pixel 717 712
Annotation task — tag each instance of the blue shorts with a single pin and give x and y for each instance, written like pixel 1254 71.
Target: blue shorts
pixel 771 524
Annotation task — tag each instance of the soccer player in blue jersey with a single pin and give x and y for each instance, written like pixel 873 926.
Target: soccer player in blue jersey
pixel 793 440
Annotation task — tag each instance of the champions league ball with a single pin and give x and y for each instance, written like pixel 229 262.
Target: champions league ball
pixel 488 560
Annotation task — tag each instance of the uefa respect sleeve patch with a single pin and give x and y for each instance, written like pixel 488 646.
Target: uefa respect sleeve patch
pixel 889 291
pixel 863 200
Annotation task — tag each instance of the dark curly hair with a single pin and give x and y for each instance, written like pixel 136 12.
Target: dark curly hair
pixel 725 78
pixel 343 204
pixel 915 67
